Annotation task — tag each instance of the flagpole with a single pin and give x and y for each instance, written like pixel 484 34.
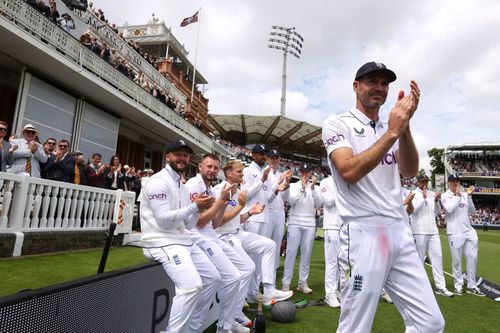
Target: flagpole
pixel 196 54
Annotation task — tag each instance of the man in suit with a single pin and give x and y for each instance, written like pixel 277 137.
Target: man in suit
pixel 5 147
pixel 29 154
pixel 61 166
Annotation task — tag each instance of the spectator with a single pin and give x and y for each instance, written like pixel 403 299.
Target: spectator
pixel 95 171
pixel 42 7
pixel 67 22
pixel 115 175
pixel 61 166
pixel 86 39
pixel 5 147
pixel 29 154
pixel 105 53
pixel 94 46
pixel 80 174
pixel 53 14
pixel 48 147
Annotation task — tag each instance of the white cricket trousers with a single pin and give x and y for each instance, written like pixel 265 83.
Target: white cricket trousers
pixel 377 252
pixel 464 243
pixel 219 253
pixel 276 230
pixel 194 277
pixel 332 245
pixel 243 263
pixel 431 244
pixel 261 229
pixel 302 236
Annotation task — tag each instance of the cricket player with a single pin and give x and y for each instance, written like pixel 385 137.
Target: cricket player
pixel 331 227
pixel 376 243
pixel 167 214
pixel 462 237
pixel 425 231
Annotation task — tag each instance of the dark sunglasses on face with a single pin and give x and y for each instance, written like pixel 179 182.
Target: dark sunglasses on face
pixel 30 132
pixel 51 143
pixel 63 146
pixel 3 129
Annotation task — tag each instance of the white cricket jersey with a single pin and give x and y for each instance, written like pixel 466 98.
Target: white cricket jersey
pixel 331 219
pixel 233 225
pixel 166 210
pixel 457 210
pixel 196 187
pixel 379 192
pixel 423 219
pixel 303 205
pixel 276 202
pixel 257 191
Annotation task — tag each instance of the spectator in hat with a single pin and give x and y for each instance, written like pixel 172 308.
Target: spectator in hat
pixel 29 154
pixel 67 22
pixel 5 147
pixel 304 200
pixel 61 166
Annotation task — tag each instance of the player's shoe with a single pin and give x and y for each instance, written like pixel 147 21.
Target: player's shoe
pixel 238 328
pixel 253 299
pixel 304 288
pixel 444 292
pixel 385 296
pixel 458 292
pixel 221 330
pixel 332 301
pixel 276 296
pixel 475 291
pixel 285 287
pixel 243 320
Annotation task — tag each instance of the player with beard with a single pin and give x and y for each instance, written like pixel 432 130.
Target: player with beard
pixel 232 268
pixel 167 215
pixel 376 244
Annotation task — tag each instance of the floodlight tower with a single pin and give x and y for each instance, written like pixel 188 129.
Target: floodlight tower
pixel 288 41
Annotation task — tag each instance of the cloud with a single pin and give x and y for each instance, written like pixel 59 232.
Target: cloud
pixel 449 47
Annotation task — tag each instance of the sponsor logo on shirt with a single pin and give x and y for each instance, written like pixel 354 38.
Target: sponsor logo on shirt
pixel 264 187
pixel 193 196
pixel 360 132
pixel 323 189
pixel 462 205
pixel 334 139
pixel 157 196
pixel 389 158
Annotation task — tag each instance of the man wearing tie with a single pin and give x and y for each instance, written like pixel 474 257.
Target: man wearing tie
pixel 29 154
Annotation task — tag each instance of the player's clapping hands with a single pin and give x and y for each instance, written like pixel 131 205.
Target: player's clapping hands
pixel 257 208
pixel 242 198
pixel 204 202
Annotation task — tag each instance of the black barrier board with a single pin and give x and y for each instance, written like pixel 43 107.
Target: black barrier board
pixel 130 300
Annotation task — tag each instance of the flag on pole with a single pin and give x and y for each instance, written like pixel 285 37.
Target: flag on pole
pixel 189 20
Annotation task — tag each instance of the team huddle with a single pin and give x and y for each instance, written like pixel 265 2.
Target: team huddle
pixel 226 238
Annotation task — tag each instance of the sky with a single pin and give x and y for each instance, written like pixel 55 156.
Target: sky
pixel 450 47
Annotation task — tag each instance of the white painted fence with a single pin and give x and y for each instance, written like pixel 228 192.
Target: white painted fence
pixel 35 204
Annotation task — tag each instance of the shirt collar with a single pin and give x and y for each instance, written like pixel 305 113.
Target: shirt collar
pixel 174 174
pixel 362 117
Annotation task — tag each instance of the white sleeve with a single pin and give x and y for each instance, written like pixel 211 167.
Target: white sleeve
pixel 326 193
pixel 335 134
pixel 165 211
pixel 251 184
pixel 449 203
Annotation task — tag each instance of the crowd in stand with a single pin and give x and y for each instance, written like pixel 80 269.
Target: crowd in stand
pixel 480 163
pixel 53 160
pixel 486 214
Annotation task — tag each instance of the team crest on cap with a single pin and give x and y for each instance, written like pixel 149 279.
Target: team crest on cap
pixel 182 142
pixel 379 65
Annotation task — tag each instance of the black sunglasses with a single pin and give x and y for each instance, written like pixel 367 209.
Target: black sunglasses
pixel 3 129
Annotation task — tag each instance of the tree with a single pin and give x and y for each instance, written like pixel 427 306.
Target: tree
pixel 436 156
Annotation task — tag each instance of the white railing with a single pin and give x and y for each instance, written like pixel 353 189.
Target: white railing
pixel 21 14
pixel 35 204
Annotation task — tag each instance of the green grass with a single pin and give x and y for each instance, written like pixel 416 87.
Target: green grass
pixel 462 314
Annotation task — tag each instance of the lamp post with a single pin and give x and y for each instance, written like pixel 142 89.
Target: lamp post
pixel 288 41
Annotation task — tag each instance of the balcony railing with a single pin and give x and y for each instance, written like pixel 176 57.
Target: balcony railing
pixel 27 18
pixel 35 204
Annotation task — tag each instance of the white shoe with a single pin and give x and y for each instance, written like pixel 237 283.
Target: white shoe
pixel 385 296
pixel 221 330
pixel 237 328
pixel 304 288
pixel 277 296
pixel 285 287
pixel 243 320
pixel 444 292
pixel 332 301
pixel 253 298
